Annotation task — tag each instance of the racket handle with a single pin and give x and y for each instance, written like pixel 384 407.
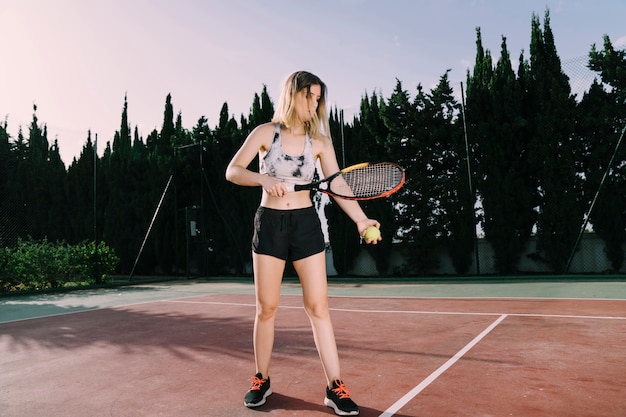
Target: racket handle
pixel 295 187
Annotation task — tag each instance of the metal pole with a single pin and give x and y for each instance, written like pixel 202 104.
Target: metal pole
pixel 593 202
pixel 156 212
pixel 95 187
pixel 96 269
pixel 343 144
pixel 469 181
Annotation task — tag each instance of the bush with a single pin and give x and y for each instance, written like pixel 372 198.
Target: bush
pixel 37 265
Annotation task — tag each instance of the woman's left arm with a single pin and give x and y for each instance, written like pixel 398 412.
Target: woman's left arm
pixel 329 164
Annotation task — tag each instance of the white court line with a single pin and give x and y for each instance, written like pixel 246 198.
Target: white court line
pixel 469 313
pixel 424 312
pixel 178 299
pixel 432 377
pixel 219 303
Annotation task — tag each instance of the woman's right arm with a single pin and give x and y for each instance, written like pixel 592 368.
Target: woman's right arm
pixel 237 171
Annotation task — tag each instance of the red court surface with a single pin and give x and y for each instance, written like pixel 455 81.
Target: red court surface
pixel 401 356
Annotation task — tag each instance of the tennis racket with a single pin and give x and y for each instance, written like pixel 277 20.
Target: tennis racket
pixel 364 181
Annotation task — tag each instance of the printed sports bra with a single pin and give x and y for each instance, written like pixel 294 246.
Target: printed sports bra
pixel 298 169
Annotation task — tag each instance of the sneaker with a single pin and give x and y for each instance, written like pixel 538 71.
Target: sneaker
pixel 259 391
pixel 338 398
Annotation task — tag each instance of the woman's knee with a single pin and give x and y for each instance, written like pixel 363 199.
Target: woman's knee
pixel 266 311
pixel 317 310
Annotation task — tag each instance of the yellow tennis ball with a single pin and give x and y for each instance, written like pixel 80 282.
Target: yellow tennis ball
pixel 372 233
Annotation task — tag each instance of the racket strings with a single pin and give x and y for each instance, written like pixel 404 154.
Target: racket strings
pixel 369 181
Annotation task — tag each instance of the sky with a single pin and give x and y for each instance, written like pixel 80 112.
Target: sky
pixel 76 60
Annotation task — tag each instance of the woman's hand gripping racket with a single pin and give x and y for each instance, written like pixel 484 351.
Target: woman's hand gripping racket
pixel 365 181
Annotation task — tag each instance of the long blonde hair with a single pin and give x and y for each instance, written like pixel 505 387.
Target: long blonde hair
pixel 286 114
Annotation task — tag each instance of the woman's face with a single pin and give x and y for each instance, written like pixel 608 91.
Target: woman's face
pixel 308 100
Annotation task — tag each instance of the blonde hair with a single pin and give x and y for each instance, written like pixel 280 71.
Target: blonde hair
pixel 286 114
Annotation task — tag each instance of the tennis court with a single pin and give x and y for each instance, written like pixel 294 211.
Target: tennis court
pixel 184 348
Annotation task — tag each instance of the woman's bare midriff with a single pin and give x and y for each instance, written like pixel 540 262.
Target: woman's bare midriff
pixel 291 201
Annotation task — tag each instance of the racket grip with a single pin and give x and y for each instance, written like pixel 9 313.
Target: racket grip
pixel 295 187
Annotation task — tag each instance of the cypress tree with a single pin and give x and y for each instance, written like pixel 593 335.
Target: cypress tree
pixel 167 136
pixel 33 177
pixel 554 149
pixel 262 109
pixel 123 230
pixel 56 196
pixel 234 205
pixel 610 63
pixel 9 207
pixel 507 186
pixel 372 140
pixel 595 125
pixel 80 189
pixel 453 204
pixel 409 127
pixel 343 240
pixel 601 116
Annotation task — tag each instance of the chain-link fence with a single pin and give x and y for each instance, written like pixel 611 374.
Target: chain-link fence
pixel 587 256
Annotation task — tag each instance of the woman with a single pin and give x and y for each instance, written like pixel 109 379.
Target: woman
pixel 287 227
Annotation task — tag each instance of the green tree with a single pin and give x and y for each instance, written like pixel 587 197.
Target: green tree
pixel 344 250
pixel 601 116
pixel 595 125
pixel 9 207
pixel 371 136
pixel 453 203
pixel 168 131
pixel 32 177
pixel 506 183
pixel 57 208
pixel 343 237
pixel 554 149
pixel 262 109
pixel 611 64
pixel 42 173
pixel 80 189
pixel 234 205
pixel 409 140
pixel 122 230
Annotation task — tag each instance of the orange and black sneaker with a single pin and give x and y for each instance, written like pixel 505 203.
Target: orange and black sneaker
pixel 338 398
pixel 258 392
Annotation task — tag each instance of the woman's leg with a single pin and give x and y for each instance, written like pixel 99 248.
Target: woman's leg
pixel 268 275
pixel 312 274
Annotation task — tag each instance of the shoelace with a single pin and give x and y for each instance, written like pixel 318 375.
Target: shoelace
pixel 341 390
pixel 256 383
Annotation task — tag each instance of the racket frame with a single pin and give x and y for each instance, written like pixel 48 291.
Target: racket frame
pixel 323 184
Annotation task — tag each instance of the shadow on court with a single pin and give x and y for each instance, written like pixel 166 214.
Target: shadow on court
pixel 133 332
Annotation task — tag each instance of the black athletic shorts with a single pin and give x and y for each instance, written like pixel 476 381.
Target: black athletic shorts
pixel 287 234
